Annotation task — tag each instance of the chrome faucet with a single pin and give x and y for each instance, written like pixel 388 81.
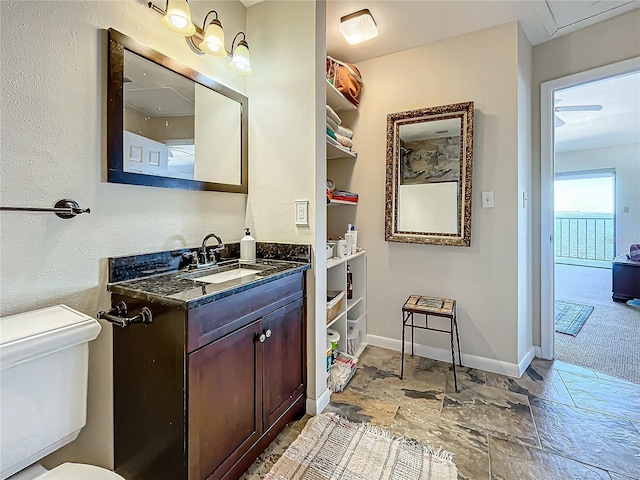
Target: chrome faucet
pixel 210 260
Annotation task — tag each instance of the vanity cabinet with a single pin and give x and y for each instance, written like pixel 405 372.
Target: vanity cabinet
pixel 200 393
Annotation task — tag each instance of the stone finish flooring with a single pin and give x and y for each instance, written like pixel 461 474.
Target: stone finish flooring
pixel 558 421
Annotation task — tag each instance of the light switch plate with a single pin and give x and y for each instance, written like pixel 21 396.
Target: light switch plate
pixel 487 199
pixel 302 212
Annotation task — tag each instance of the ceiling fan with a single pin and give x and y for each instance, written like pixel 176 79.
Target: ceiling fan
pixel 558 122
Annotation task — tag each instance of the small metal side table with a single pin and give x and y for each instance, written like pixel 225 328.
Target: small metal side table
pixel 431 306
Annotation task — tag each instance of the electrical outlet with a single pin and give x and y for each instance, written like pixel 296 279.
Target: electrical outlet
pixel 487 199
pixel 302 212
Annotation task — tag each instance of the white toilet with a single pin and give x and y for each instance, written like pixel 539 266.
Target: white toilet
pixel 43 384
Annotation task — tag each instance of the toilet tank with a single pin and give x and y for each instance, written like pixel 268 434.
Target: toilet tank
pixel 43 382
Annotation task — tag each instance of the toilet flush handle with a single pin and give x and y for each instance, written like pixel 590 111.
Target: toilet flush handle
pixel 117 315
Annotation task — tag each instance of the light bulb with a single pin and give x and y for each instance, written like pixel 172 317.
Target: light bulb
pixel 178 18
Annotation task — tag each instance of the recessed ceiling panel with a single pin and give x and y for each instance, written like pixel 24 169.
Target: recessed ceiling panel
pixel 567 13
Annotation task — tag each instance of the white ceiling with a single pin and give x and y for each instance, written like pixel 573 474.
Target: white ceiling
pixel 406 24
pixel 618 123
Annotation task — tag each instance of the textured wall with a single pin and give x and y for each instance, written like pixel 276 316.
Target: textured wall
pixel 284 140
pixel 483 67
pixel 53 146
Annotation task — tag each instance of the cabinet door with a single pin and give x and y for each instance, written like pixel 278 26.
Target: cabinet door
pixel 283 360
pixel 224 402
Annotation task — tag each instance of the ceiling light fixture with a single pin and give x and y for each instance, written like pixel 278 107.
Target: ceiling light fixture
pixel 358 27
pixel 206 40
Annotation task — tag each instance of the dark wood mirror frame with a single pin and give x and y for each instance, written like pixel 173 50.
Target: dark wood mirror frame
pixel 118 43
pixel 462 112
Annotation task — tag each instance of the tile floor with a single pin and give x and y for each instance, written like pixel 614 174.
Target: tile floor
pixel 556 422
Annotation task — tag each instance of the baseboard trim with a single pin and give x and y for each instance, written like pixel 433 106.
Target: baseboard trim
pixel 315 407
pixel 526 360
pixel 538 351
pixel 444 355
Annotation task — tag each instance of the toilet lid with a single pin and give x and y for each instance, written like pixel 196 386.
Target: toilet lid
pixel 79 471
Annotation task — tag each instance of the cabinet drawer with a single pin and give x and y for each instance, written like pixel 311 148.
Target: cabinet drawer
pixel 216 319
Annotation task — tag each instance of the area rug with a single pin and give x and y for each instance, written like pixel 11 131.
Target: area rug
pixel 570 317
pixel 332 448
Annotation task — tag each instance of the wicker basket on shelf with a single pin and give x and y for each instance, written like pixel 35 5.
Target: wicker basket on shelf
pixel 334 303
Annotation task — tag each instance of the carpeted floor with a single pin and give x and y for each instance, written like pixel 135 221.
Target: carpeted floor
pixel 570 317
pixel 609 342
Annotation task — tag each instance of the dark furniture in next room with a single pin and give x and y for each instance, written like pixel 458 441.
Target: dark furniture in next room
pixel 625 279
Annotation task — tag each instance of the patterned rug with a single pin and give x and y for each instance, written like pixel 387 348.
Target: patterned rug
pixel 570 317
pixel 332 448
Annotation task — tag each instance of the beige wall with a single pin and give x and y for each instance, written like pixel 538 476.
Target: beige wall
pixel 525 241
pixel 283 141
pixel 53 147
pixel 482 66
pixel 602 44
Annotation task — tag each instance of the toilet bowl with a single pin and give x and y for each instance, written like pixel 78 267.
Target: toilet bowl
pixel 66 471
pixel 43 392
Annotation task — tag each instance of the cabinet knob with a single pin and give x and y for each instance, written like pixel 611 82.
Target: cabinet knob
pixel 262 338
pixel 268 333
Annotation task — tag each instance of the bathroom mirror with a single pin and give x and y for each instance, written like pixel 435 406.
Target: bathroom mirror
pixel 428 186
pixel 170 126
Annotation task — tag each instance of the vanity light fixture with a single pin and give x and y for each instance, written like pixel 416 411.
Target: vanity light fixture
pixel 358 27
pixel 206 40
pixel 177 18
pixel 241 60
pixel 213 41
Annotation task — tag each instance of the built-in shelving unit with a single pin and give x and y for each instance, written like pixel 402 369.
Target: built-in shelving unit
pixel 336 100
pixel 334 152
pixel 351 321
pixel 336 203
pixel 353 312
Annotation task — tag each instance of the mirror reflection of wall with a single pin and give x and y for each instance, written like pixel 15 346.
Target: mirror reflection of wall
pixel 217 140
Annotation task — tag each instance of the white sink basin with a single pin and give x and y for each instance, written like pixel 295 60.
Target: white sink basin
pixel 227 276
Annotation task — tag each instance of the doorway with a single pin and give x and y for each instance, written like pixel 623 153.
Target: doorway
pixel 556 253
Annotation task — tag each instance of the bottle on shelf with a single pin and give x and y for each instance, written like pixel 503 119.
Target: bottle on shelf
pixel 349 283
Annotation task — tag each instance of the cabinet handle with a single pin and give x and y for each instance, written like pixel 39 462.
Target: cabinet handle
pixel 268 333
pixel 262 338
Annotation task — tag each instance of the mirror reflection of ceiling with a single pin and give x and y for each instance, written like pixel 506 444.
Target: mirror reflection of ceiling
pixel 156 91
pixel 412 132
pixel 618 123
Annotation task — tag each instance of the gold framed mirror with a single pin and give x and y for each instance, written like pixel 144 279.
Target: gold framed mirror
pixel 428 184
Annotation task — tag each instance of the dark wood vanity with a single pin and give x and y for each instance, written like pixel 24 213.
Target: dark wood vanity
pixel 200 393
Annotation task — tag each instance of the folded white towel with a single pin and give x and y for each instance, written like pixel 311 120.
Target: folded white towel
pixel 334 126
pixel 344 131
pixel 333 115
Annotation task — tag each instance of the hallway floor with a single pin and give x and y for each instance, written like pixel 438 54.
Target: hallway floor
pixel 609 341
pixel 556 422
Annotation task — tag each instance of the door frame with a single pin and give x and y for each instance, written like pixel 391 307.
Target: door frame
pixel 547 175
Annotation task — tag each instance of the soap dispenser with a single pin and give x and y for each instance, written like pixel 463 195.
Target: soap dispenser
pixel 247 247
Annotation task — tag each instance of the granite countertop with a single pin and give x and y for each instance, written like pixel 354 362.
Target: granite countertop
pixel 181 289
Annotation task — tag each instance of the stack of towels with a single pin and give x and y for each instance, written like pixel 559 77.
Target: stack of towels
pixel 337 134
